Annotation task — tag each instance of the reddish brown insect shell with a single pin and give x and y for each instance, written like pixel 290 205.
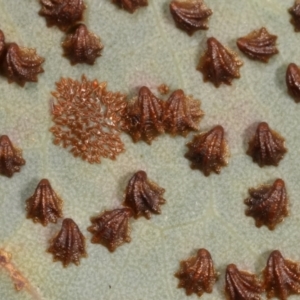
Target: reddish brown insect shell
pixel 295 12
pixel 81 45
pixel 130 5
pixel 143 196
pixel 111 228
pixel 87 118
pixel 293 81
pixel 266 147
pixel 62 13
pixel 281 277
pixel 258 45
pixel 2 44
pixel 208 151
pixel 241 284
pixel 11 158
pixel 197 274
pixel 182 114
pixel 143 120
pixel 44 205
pixel 21 64
pixel 190 16
pixel 268 204
pixel 219 64
pixel 68 245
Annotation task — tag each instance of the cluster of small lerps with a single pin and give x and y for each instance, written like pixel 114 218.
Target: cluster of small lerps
pixel 208 152
pixel 111 228
pixel 220 64
pixel 21 64
pixel 281 278
pixel 267 204
pixel 82 46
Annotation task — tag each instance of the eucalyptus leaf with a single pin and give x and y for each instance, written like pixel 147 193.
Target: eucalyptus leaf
pixel 145 48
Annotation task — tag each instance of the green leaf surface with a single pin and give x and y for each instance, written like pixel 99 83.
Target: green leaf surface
pixel 146 48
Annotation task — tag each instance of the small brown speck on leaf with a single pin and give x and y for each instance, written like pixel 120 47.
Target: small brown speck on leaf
pixel 68 245
pixel 182 114
pixel 208 151
pixel 87 119
pixel 21 64
pixel 11 159
pixel 258 45
pixel 130 5
pixel 163 89
pixel 241 284
pixel 111 228
pixel 190 16
pixel 197 274
pixel 143 196
pixel 281 277
pixel 143 119
pixel 267 146
pixel 62 13
pixel 295 13
pixel 219 64
pixel 81 45
pixel 293 81
pixel 268 204
pixel 44 205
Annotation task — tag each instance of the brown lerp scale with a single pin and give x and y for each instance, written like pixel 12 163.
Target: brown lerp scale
pixel 182 114
pixel 208 151
pixel 219 64
pixel 197 274
pixel 21 64
pixel 241 284
pixel 87 117
pixel 267 146
pixel 62 13
pixel 143 196
pixel 44 205
pixel 68 245
pixel 258 45
pixel 295 13
pixel 11 159
pixel 292 79
pixel 268 204
pixel 281 277
pixel 130 5
pixel 81 45
pixel 111 228
pixel 143 119
pixel 190 16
